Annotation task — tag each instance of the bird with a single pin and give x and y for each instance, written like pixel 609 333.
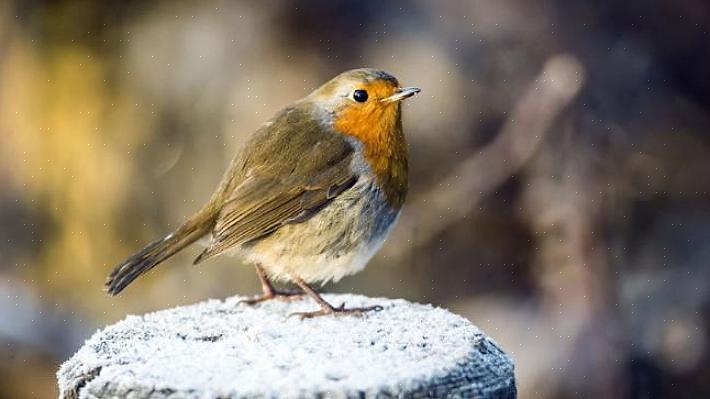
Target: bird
pixel 310 197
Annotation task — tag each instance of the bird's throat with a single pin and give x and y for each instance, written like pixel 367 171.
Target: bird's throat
pixel 379 129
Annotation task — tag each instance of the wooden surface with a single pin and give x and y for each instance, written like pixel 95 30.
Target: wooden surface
pixel 223 349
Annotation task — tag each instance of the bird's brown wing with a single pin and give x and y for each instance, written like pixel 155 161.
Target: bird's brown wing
pixel 291 171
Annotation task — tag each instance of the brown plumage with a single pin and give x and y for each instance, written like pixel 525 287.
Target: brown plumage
pixel 312 195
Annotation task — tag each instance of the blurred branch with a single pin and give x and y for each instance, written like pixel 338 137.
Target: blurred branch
pixel 560 81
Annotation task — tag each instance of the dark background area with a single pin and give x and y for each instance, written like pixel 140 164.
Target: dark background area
pixel 559 157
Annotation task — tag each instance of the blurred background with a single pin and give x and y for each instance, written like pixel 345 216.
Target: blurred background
pixel 560 153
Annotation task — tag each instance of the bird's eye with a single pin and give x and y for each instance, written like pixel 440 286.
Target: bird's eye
pixel 360 96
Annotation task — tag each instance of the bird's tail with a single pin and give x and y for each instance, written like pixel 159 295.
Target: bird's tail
pixel 159 250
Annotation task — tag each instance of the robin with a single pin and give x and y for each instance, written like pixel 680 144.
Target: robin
pixel 310 198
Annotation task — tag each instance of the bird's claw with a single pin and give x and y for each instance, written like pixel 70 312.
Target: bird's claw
pixel 278 295
pixel 337 311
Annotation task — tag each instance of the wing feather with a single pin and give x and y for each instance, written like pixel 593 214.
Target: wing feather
pixel 269 196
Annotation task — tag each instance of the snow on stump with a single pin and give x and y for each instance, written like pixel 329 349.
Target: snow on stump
pixel 224 349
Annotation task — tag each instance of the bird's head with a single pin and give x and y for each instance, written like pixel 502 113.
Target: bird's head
pixel 364 103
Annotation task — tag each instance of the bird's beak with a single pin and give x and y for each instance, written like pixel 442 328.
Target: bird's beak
pixel 400 94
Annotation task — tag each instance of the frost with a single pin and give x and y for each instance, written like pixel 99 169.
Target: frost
pixel 231 350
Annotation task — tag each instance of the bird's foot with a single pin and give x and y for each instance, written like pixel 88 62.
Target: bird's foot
pixel 337 311
pixel 278 295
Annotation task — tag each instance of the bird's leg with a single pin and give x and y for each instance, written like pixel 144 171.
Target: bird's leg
pixel 325 307
pixel 268 290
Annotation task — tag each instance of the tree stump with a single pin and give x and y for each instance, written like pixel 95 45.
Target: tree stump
pixel 226 349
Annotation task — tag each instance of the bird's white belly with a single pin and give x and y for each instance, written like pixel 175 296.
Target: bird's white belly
pixel 337 241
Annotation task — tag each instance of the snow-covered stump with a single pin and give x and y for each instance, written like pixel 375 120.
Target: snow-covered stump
pixel 224 349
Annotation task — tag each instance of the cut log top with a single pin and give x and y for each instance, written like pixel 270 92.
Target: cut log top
pixel 224 349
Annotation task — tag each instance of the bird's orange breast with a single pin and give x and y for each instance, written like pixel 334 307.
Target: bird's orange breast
pixel 378 127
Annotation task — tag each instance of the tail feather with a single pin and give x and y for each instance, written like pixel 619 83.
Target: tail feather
pixel 154 253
